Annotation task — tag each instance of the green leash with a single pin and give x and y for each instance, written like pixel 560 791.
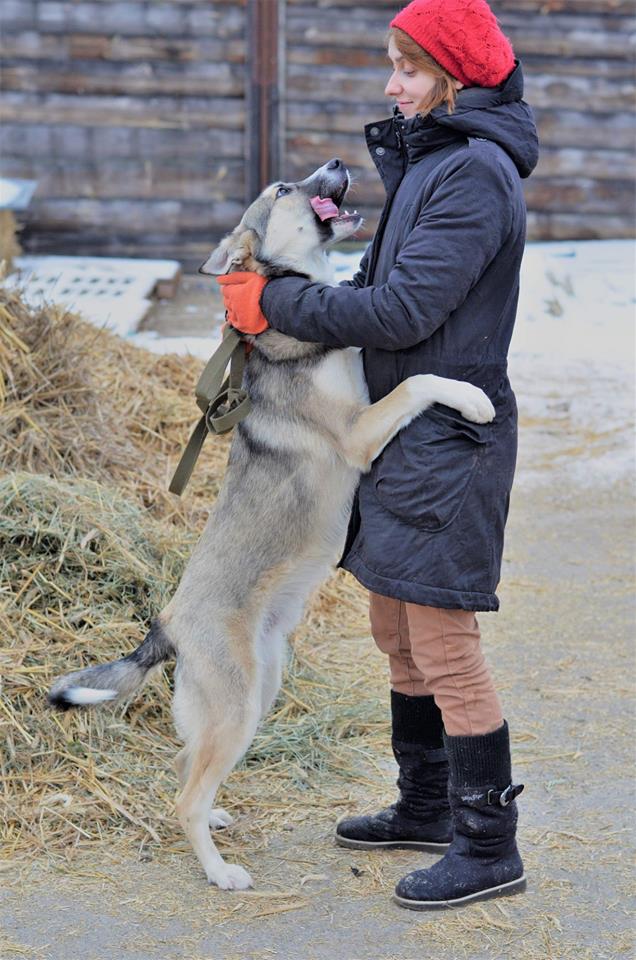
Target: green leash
pixel 221 399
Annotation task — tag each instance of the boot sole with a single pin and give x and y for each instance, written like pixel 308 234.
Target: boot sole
pixel 392 845
pixel 502 890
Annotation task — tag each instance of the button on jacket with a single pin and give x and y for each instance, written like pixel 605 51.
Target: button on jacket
pixel 436 292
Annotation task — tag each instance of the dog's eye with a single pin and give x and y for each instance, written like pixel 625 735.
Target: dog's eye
pixel 282 192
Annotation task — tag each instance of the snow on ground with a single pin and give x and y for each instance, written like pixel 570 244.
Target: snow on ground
pixel 572 360
pixel 202 347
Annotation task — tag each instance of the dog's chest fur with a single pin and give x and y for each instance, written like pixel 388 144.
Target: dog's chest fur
pixel 340 376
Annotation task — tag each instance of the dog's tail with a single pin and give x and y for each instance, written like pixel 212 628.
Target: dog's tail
pixel 110 681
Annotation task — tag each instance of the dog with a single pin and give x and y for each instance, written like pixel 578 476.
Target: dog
pixel 281 517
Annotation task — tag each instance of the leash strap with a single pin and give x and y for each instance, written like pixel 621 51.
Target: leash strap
pixel 222 401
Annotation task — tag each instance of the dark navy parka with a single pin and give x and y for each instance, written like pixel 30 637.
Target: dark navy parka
pixel 436 292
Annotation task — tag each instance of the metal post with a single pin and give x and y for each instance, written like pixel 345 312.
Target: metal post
pixel 265 84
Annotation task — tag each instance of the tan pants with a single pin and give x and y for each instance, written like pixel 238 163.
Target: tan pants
pixel 437 652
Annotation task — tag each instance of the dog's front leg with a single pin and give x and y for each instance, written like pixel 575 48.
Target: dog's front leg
pixel 372 427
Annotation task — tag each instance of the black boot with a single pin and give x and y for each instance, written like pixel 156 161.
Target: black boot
pixel 421 817
pixel 483 860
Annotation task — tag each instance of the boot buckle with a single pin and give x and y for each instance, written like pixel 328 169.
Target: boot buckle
pixel 505 797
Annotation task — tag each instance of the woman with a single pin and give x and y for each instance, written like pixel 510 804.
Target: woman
pixel 436 292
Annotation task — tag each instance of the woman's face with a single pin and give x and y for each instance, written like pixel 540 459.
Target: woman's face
pixel 408 85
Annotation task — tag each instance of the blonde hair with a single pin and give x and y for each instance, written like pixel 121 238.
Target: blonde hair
pixel 445 90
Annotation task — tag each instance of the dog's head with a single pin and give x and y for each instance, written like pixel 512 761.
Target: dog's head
pixel 288 226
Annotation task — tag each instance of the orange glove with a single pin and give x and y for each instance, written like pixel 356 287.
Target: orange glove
pixel 242 296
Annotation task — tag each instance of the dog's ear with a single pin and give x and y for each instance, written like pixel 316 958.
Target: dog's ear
pixel 238 251
pixel 220 260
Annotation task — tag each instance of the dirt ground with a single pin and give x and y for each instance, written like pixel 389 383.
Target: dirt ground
pixel 195 310
pixel 561 649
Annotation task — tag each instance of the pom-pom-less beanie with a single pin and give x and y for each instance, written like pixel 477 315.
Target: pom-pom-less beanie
pixel 463 36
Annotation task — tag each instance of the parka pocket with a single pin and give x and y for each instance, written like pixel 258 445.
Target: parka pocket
pixel 424 474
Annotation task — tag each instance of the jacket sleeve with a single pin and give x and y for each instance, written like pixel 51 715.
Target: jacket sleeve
pixel 458 232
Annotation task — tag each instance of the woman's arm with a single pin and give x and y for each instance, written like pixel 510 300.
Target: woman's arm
pixel 457 234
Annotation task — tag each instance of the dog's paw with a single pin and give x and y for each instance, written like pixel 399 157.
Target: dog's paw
pixel 231 877
pixel 219 818
pixel 473 404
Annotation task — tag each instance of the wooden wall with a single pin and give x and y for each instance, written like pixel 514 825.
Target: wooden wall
pixel 131 114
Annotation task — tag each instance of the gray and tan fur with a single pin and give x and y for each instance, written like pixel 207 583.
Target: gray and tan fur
pixel 280 520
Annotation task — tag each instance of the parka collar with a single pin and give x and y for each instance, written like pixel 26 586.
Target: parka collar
pixel 396 143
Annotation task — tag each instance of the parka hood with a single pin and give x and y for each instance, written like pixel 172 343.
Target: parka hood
pixel 496 113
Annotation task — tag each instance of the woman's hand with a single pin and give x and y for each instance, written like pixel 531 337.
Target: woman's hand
pixel 242 297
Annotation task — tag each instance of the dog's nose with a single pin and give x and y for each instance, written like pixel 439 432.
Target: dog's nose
pixel 334 164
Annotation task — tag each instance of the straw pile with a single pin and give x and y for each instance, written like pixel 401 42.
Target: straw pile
pixel 91 546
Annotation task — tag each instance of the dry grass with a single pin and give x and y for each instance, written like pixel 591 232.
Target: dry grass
pixel 77 401
pixel 92 547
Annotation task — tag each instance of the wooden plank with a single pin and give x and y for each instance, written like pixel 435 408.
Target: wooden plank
pixel 133 18
pixel 593 68
pixel 597 7
pixel 133 217
pixel 195 3
pixel 87 78
pixel 572 226
pixel 569 128
pixel 19 15
pixel 195 179
pixel 321 118
pixel 191 248
pixel 38 46
pixel 580 196
pixel 601 96
pixel 309 150
pixel 102 143
pixel 598 164
pixel 367 28
pixel 159 112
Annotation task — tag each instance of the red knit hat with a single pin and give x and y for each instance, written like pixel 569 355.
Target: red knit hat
pixel 463 36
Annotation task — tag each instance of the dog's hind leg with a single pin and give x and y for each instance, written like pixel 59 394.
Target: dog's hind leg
pixel 218 817
pixel 216 710
pixel 216 752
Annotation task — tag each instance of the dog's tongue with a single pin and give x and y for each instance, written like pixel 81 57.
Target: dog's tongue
pixel 326 209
